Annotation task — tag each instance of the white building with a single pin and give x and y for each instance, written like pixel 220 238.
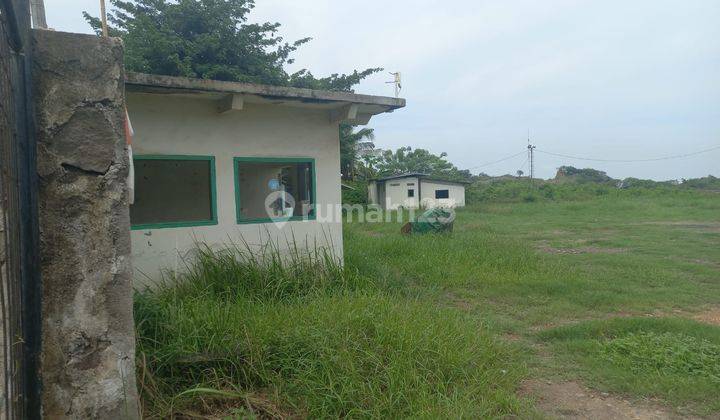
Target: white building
pixel 219 162
pixel 414 190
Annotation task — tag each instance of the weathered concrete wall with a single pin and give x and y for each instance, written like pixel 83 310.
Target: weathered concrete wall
pixel 87 360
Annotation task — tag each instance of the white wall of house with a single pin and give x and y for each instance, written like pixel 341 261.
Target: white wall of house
pixel 396 193
pixel 180 125
pixel 456 194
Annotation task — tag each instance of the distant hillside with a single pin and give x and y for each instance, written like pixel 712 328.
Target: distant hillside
pixel 570 183
pixel 577 184
pixel 706 183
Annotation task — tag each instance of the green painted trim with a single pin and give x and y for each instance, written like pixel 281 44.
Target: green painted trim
pixel 165 225
pixel 213 194
pixel 278 219
pixel 174 157
pixel 242 220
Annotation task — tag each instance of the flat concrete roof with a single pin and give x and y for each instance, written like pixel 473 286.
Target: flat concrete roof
pixel 346 106
pixel 421 176
pixel 402 175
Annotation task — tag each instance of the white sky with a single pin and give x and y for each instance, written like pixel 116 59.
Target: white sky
pixel 605 79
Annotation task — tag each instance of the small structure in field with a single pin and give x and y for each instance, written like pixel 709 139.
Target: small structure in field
pixel 414 190
pixel 219 162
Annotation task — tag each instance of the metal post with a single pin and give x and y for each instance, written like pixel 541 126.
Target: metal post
pixel 18 176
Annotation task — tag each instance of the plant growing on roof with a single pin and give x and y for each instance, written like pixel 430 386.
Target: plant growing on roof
pixel 211 39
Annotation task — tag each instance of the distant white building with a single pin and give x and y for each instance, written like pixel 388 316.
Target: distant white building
pixel 414 190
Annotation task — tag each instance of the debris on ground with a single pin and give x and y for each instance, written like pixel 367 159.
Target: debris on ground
pixel 434 220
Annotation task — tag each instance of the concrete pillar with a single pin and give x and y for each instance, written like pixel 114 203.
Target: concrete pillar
pixel 88 344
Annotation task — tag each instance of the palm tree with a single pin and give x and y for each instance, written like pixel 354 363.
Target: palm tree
pixel 349 139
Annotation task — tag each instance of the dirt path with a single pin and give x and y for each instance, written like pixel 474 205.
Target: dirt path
pixel 571 400
pixel 711 316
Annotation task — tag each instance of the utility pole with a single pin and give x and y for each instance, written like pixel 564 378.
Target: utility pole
pixel 103 18
pixel 531 158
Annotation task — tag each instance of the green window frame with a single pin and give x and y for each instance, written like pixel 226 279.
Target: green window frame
pixel 213 194
pixel 238 199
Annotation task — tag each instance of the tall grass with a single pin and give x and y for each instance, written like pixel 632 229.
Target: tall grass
pixel 273 335
pixel 239 271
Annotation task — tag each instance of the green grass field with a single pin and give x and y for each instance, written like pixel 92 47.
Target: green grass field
pixel 601 291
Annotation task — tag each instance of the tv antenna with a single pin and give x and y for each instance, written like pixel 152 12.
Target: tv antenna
pixel 397 81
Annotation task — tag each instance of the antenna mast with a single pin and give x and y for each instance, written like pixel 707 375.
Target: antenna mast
pixel 397 81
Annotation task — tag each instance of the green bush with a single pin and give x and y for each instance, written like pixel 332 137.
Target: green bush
pixel 356 194
pixel 582 176
pixel 529 198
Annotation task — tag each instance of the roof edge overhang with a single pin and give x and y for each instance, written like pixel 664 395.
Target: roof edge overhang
pixel 420 176
pixel 400 176
pixel 445 181
pixel 342 106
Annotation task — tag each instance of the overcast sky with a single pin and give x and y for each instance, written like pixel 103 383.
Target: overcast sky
pixel 600 79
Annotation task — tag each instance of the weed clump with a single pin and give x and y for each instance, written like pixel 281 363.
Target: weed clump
pixel 664 354
pixel 239 272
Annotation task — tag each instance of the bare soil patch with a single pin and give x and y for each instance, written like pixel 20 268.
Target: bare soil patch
pixel 712 227
pixel 706 262
pixel 709 317
pixel 460 302
pixel 580 250
pixel 571 400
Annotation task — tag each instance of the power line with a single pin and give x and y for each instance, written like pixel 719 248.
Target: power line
pixel 529 151
pixel 632 160
pixel 497 161
pixel 524 163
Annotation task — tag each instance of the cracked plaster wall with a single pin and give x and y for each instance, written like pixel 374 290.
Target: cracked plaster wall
pixel 87 362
